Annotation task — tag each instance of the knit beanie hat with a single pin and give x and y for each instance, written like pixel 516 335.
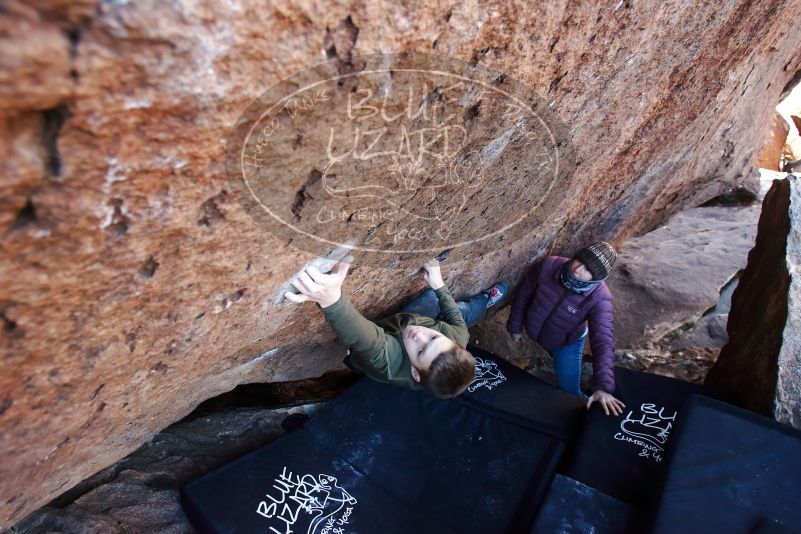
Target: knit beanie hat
pixel 598 258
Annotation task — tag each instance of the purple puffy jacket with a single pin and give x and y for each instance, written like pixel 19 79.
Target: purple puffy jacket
pixel 554 316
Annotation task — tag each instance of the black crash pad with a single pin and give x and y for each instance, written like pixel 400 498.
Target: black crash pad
pixel 295 487
pixel 380 458
pixel 730 471
pixel 623 456
pixel 570 507
pixel 500 387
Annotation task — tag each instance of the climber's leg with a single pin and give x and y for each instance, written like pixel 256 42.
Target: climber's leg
pixel 474 309
pixel 426 303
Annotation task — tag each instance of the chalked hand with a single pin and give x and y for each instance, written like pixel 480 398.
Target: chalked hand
pixel 432 274
pixel 323 288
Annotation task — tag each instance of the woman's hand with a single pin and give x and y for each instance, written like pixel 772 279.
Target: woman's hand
pixel 432 274
pixel 607 402
pixel 314 286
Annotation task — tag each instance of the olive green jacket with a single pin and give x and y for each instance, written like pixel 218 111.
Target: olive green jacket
pixel 376 348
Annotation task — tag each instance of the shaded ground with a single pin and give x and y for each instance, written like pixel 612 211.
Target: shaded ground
pixel 140 493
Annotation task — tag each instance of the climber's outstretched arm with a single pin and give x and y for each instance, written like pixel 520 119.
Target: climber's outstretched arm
pixel 366 339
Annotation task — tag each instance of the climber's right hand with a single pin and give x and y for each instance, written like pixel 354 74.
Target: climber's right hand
pixel 323 288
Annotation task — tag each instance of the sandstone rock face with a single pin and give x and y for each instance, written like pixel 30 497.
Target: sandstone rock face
pixel 133 285
pixel 773 146
pixel 760 367
pixel 140 492
pixel 708 332
pixel 675 273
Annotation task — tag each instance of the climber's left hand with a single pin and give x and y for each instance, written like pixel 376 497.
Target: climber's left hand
pixel 432 274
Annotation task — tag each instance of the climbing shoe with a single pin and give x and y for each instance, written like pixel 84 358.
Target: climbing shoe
pixel 495 294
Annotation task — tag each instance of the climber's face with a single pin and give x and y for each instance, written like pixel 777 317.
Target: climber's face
pixel 579 270
pixel 423 345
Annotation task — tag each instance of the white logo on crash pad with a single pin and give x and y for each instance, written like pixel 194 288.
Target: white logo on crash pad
pixel 649 429
pixel 487 375
pixel 307 503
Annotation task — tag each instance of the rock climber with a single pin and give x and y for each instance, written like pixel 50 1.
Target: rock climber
pixel 562 300
pixel 422 347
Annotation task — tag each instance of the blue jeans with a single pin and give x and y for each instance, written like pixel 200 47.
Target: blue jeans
pixel 426 303
pixel 567 364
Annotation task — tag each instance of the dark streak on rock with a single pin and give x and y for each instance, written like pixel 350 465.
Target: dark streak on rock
pixel 97 390
pixel 53 121
pixel 93 352
pixel 556 81
pixel 74 37
pixel 148 268
pixel 472 112
pixel 119 221
pixel 210 213
pixel 9 325
pixel 435 95
pixel 130 339
pixel 5 405
pixel 304 193
pixel 26 216
pixel 329 46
